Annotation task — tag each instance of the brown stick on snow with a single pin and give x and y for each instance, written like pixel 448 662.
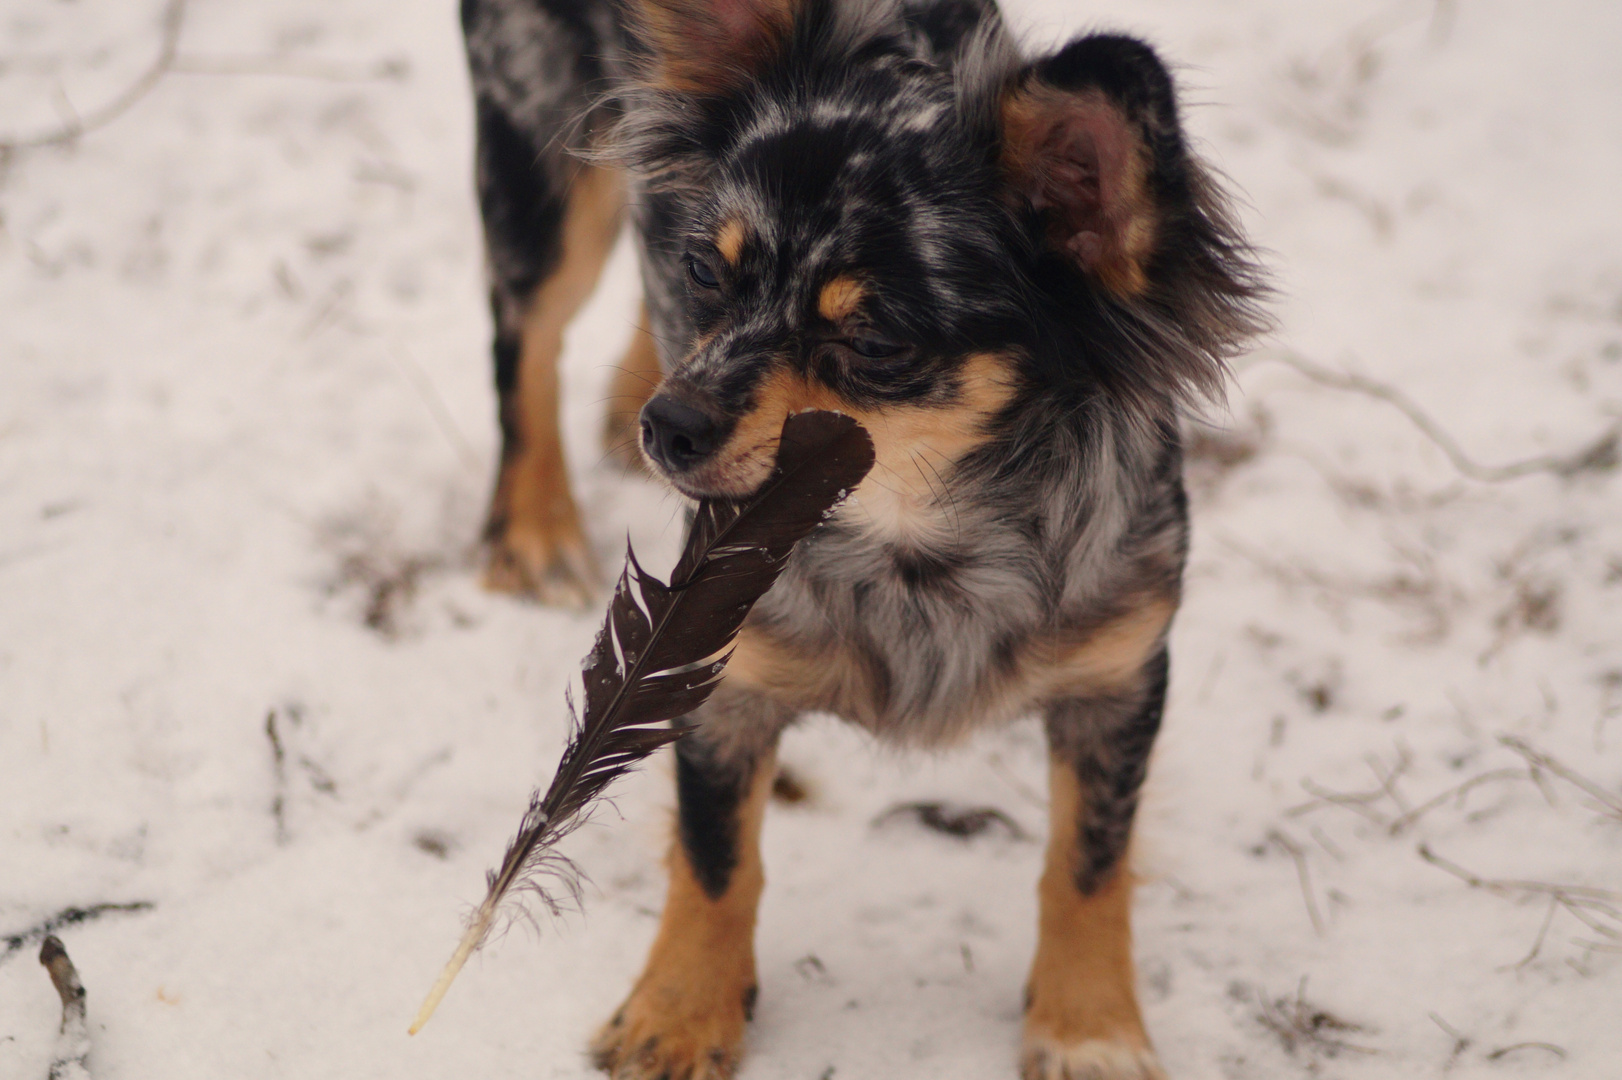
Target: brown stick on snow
pixel 73 1042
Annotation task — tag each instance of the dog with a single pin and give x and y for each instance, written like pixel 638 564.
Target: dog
pixel 1014 272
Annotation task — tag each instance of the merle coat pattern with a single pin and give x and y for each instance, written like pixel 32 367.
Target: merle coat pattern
pixel 1015 274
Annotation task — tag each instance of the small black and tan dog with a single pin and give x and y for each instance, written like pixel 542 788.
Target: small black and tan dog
pixel 1014 273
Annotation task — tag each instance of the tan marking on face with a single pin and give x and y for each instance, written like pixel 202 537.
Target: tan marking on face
pixel 688 1009
pixel 915 446
pixel 1109 657
pixel 1081 989
pixel 745 461
pixel 537 546
pixel 729 241
pixel 839 298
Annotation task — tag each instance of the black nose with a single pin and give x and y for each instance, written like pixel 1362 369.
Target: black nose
pixel 677 436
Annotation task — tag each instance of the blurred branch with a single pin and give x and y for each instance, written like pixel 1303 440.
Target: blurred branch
pixel 1599 455
pixel 1595 908
pixel 169 61
pixel 73 916
pixel 1299 856
pixel 173 15
pixel 1612 806
pixel 392 68
pixel 1458 792
pixel 1309 1029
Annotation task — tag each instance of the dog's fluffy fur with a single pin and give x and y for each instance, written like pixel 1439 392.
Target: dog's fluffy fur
pixel 1014 273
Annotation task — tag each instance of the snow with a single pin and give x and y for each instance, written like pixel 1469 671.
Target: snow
pixel 245 437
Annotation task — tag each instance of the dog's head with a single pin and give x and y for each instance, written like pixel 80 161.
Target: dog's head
pixel 885 210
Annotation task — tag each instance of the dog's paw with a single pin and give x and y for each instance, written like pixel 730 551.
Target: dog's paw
pixel 551 565
pixel 1091 1059
pixel 666 1034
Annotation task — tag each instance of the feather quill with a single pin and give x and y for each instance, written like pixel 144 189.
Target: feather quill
pixel 663 648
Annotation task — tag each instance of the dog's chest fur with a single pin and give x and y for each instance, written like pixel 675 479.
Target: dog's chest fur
pixel 922 617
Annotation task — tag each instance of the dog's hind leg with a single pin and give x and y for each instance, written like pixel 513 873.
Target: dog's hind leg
pixel 573 213
pixel 549 222
pixel 1081 1018
pixel 685 1016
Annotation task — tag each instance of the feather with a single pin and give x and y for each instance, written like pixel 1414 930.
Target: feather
pixel 663 648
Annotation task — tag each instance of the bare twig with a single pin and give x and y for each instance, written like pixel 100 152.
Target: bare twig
pixel 1458 792
pixel 1461 1042
pixel 1298 854
pixel 1512 887
pixel 289 67
pixel 1300 1025
pixel 436 407
pixel 1537 943
pixel 1020 787
pixel 1388 776
pixel 1598 909
pixel 278 761
pixel 173 16
pixel 1423 590
pixel 73 1040
pixel 1328 845
pixel 1503 1051
pixel 73 916
pixel 1538 760
pixel 1359 802
pixel 1597 946
pixel 1601 454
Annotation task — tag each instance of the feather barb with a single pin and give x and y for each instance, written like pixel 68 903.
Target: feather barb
pixel 663 648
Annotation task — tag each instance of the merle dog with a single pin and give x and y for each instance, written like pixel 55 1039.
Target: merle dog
pixel 1015 274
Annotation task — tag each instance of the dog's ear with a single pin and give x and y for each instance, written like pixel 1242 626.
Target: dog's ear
pixel 711 46
pixel 1091 142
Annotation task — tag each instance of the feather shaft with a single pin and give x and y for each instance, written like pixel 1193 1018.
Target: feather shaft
pixel 663 648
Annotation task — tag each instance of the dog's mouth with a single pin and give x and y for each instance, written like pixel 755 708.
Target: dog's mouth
pixel 727 474
pixel 703 453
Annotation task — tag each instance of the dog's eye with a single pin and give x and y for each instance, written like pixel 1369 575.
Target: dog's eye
pixel 874 348
pixel 700 272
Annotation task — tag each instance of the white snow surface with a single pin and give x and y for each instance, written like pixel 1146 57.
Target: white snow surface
pixel 244 385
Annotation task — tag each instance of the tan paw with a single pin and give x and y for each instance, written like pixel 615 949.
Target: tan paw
pixel 1092 1059
pixel 553 566
pixel 668 1034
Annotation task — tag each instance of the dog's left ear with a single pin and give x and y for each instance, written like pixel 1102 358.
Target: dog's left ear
pixel 1091 142
pixel 711 46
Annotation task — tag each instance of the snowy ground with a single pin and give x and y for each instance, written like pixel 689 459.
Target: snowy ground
pixel 245 436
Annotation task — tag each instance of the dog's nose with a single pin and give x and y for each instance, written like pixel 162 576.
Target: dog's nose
pixel 677 436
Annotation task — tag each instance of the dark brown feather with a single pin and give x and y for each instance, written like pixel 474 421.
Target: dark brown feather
pixel 663 648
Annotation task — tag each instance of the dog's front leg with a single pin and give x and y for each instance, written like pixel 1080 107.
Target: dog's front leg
pixel 684 1019
pixel 1082 1020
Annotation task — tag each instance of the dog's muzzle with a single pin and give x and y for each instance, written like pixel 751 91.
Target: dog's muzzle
pixel 676 436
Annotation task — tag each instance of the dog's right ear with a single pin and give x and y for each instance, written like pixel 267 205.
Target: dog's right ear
pixel 1093 152
pixel 711 46
pixel 1090 141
